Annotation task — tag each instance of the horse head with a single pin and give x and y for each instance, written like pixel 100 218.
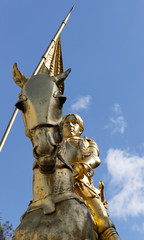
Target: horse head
pixel 41 101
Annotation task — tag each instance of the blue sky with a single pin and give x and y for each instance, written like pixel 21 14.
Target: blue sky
pixel 103 43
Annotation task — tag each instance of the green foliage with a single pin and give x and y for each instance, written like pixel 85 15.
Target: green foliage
pixel 2 237
pixel 6 230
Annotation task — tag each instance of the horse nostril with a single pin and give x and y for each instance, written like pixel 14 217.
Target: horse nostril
pixel 35 154
pixel 42 150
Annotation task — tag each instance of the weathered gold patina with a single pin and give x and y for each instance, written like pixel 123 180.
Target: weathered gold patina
pixel 83 155
pixel 55 212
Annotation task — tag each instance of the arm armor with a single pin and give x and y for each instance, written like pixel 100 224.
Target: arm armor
pixel 92 159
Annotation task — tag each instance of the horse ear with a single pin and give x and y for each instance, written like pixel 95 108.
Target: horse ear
pixel 59 79
pixel 18 77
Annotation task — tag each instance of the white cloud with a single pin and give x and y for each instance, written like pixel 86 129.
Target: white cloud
pixel 127 182
pixel 117 123
pixel 117 108
pixel 81 103
pixel 138 228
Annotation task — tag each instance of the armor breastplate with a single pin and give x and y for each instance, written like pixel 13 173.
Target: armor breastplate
pixel 74 149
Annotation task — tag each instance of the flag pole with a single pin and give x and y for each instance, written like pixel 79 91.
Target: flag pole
pixel 8 128
pixel 52 42
pixel 34 73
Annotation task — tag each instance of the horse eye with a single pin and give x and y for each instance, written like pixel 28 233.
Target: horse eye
pixel 61 97
pixel 21 104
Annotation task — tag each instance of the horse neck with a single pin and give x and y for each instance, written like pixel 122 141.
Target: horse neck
pixel 58 182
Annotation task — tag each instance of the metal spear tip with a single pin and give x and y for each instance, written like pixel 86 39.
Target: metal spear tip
pixel 72 8
pixel 67 17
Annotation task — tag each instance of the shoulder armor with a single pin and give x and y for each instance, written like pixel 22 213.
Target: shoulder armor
pixel 92 144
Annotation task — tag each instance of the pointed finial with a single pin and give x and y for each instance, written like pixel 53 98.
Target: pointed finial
pixel 67 17
pixel 72 8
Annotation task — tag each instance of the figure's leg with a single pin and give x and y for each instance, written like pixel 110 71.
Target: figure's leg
pixel 110 234
pixel 105 226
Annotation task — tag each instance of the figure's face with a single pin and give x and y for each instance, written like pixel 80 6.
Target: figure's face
pixel 71 127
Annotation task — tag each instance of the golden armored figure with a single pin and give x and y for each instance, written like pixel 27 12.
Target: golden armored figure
pixel 83 155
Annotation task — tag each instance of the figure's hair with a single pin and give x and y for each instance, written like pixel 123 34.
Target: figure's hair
pixel 78 118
